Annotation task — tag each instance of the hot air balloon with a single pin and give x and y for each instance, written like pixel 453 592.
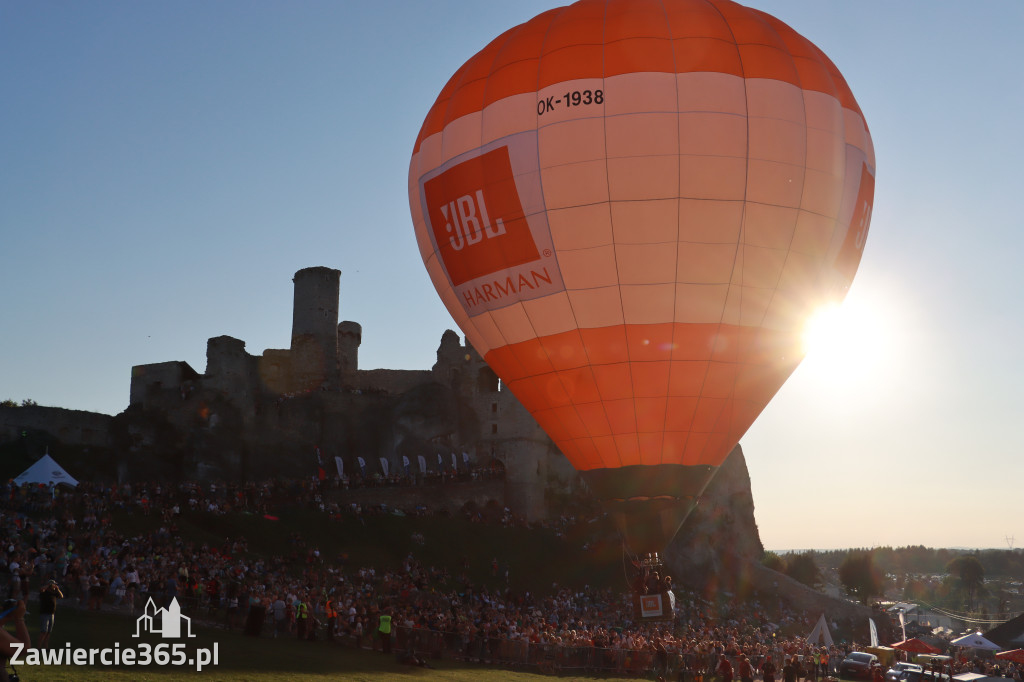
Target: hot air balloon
pixel 631 208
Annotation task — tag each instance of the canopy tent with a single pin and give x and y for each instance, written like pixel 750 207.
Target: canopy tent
pixel 1015 655
pixel 916 646
pixel 46 471
pixel 1008 635
pixel 821 632
pixel 976 641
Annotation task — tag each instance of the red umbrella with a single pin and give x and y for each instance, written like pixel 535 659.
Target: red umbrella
pixel 916 646
pixel 1015 655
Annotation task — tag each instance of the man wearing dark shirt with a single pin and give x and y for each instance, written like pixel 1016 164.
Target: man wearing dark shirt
pixel 48 597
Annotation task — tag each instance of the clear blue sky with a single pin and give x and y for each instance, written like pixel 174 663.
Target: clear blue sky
pixel 165 168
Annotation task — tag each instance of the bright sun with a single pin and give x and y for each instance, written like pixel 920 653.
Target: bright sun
pixel 845 343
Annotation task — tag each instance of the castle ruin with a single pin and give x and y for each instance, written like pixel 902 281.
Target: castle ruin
pixel 254 415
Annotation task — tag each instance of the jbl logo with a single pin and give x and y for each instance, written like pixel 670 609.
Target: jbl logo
pixel 467 222
pixel 476 218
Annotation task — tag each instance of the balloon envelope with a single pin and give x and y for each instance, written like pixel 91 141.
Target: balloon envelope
pixel 631 208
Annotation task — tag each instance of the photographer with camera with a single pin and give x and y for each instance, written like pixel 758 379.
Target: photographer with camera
pixel 48 597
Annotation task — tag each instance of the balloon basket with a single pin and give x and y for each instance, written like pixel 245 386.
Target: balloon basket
pixel 652 608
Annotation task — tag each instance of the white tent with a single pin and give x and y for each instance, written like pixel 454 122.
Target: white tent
pixel 976 641
pixel 820 632
pixel 46 470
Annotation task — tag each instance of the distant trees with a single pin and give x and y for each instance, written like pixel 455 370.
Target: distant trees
pixel 773 561
pixel 860 576
pixel 803 569
pixel 970 575
pixel 800 567
pixel 27 402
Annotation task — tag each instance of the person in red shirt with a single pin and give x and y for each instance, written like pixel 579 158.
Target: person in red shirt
pixel 746 670
pixel 724 669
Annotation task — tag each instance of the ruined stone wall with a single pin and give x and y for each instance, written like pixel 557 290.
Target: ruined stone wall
pixel 508 432
pixel 393 381
pixel 152 384
pixel 274 368
pixel 74 427
pixel 228 367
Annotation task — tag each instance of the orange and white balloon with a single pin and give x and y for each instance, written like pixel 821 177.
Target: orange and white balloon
pixel 631 207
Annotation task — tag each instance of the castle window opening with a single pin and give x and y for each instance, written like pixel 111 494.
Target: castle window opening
pixel 494 428
pixel 487 381
pixel 494 407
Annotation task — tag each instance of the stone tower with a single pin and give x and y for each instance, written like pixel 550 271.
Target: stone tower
pixel 350 335
pixel 315 329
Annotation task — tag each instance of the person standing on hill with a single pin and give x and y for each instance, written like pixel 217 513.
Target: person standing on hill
pixel 791 671
pixel 724 669
pixel 768 669
pixel 278 607
pixel 48 597
pixel 746 670
pixel 331 611
pixel 302 616
pixel 384 629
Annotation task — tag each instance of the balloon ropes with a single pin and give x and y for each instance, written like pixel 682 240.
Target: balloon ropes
pixel 630 208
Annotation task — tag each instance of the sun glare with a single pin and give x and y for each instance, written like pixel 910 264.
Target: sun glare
pixel 844 343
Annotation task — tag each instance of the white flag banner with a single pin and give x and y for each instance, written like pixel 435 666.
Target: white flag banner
pixel 384 466
pixel 440 462
pixel 423 463
pixel 362 463
pixel 903 624
pixel 874 632
pixel 341 466
pixel 455 462
pixel 405 463
pixel 465 458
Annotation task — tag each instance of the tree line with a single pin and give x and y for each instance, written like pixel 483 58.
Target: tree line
pixel 976 581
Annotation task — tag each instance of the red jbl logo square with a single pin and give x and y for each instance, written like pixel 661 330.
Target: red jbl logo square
pixel 477 218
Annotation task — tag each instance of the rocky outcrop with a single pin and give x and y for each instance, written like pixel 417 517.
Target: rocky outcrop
pixel 718 550
pixel 721 528
pixel 719 542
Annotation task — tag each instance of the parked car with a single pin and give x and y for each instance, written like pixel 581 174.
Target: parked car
pixel 857 664
pixel 893 673
pixel 922 676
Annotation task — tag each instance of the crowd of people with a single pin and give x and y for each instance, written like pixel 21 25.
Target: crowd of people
pixel 67 536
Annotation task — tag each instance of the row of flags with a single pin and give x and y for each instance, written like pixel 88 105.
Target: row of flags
pixel 385 464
